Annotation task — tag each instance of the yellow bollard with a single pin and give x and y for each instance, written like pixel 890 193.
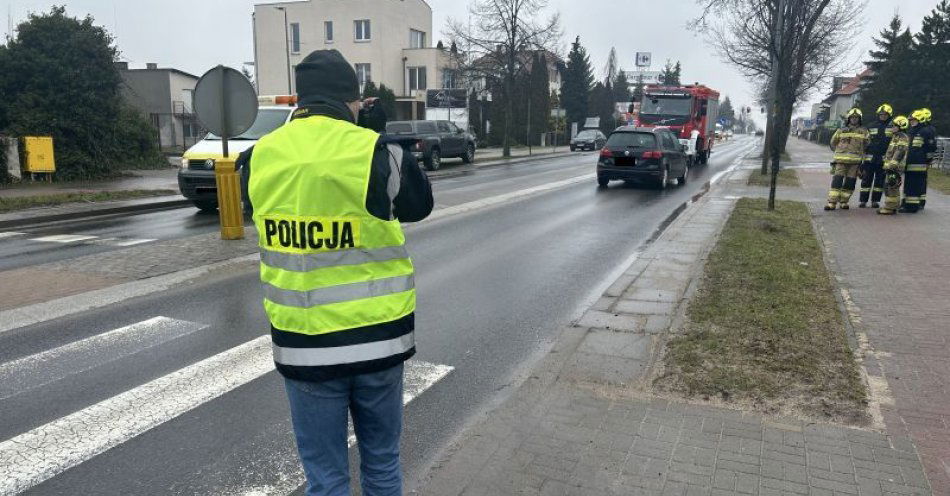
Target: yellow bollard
pixel 229 198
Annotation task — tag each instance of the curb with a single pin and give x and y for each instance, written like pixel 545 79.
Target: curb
pixel 140 207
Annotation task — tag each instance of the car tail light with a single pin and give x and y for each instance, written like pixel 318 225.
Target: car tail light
pixel 605 153
pixel 653 154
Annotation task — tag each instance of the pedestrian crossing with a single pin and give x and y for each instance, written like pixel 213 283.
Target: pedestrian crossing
pixel 77 239
pixel 45 451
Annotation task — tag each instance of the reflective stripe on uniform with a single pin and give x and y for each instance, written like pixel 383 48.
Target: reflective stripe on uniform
pixel 339 293
pixel 316 357
pixel 916 168
pixel 865 190
pixel 878 190
pixel 311 261
pixel 853 135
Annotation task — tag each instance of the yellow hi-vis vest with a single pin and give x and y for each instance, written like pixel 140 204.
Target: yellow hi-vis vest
pixel 327 264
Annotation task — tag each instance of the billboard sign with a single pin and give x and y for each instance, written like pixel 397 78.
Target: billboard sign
pixel 447 98
pixel 644 59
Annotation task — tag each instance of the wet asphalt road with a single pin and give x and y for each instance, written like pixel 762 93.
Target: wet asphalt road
pixel 495 287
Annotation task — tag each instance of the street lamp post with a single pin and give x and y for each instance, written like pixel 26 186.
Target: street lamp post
pixel 290 90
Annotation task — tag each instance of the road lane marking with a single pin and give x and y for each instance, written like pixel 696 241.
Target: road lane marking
pixel 46 451
pixel 24 374
pixel 120 242
pixel 419 376
pixel 63 238
pixel 11 234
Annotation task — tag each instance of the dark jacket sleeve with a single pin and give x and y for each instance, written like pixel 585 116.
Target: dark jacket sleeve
pixel 413 202
pixel 243 165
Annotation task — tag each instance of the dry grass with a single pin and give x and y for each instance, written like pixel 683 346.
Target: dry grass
pixel 23 202
pixel 765 328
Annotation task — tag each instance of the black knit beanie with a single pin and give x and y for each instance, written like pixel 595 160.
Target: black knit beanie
pixel 326 77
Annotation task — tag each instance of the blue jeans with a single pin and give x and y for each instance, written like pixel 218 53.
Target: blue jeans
pixel 318 411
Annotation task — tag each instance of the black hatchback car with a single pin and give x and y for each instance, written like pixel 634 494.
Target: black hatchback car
pixel 588 139
pixel 643 154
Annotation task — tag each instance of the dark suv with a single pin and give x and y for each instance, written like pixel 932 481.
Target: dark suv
pixel 643 154
pixel 435 140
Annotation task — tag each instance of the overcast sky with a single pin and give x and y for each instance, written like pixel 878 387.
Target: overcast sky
pixel 194 35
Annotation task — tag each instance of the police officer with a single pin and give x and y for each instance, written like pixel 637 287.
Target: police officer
pixel 872 171
pixel 894 162
pixel 849 144
pixel 923 146
pixel 328 199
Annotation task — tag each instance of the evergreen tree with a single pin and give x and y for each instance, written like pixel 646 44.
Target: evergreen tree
pixel 670 74
pixel 576 84
pixel 540 97
pixel 892 65
pixel 727 113
pixel 610 68
pixel 602 105
pixel 58 78
pixel 931 69
pixel 622 87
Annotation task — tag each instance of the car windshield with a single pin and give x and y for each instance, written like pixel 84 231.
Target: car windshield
pixel 668 106
pixel 399 128
pixel 587 135
pixel 267 120
pixel 631 140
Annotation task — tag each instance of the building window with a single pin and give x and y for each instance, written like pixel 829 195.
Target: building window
pixel 417 78
pixel 328 31
pixel 448 78
pixel 295 37
pixel 363 74
pixel 362 30
pixel 417 39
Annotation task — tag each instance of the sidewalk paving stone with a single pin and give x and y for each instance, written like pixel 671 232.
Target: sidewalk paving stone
pixel 581 401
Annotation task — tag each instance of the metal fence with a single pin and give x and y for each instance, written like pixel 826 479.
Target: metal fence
pixel 942 160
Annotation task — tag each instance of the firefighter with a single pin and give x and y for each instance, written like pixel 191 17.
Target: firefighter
pixel 872 171
pixel 849 144
pixel 895 160
pixel 920 154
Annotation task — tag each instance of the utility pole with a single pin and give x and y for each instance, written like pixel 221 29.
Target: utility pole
pixel 777 127
pixel 290 90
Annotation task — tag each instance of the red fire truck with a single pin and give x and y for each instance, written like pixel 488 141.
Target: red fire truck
pixel 691 112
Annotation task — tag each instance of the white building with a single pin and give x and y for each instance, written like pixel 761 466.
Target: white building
pixel 388 41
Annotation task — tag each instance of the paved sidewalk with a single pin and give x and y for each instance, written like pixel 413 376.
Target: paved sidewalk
pixel 581 425
pixel 895 271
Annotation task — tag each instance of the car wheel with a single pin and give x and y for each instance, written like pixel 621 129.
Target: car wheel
pixel 206 205
pixel 469 155
pixel 682 179
pixel 434 161
pixel 573 148
pixel 602 181
pixel 664 179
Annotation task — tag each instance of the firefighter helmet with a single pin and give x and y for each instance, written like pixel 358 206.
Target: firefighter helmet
pixel 855 111
pixel 900 122
pixel 885 108
pixel 923 115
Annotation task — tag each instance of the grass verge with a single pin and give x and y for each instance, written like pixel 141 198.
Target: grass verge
pixel 765 329
pixel 939 180
pixel 11 204
pixel 786 177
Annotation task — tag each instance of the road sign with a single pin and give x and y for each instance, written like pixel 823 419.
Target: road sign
pixel 225 102
pixel 644 59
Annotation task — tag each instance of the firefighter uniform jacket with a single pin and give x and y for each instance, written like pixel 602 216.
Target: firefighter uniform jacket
pixel 923 146
pixel 896 155
pixel 880 137
pixel 850 144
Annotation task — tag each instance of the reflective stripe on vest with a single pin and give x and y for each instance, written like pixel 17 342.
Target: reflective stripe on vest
pixel 917 168
pixel 317 357
pixel 327 264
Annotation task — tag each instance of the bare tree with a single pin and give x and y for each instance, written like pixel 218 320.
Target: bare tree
pixel 806 39
pixel 500 38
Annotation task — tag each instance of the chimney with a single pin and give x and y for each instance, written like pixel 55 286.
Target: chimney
pixel 151 66
pixel 122 66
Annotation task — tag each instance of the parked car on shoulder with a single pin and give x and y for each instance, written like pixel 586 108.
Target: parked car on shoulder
pixel 588 139
pixel 435 140
pixel 644 154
